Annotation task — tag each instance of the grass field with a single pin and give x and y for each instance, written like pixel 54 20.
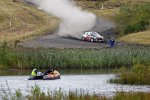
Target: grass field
pixel 137 38
pixel 106 13
pixel 20 21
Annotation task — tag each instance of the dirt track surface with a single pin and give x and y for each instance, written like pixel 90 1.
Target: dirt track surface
pixel 53 41
pixel 105 27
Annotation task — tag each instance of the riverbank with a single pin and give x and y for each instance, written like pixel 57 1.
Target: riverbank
pixel 73 58
pixel 138 74
pixel 134 57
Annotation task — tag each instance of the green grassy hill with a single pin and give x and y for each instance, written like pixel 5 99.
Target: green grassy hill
pixel 20 21
pixel 111 8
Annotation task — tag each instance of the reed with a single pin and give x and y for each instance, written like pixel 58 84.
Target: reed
pixel 75 58
pixel 138 74
pixel 35 93
pixel 132 96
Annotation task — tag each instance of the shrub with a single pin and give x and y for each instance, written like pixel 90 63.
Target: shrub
pixel 139 75
pixel 133 18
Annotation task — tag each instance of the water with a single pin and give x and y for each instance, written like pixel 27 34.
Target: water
pixel 87 82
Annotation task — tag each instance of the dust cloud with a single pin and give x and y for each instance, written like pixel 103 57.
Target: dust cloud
pixel 74 20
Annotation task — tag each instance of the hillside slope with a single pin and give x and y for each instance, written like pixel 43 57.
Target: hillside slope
pixel 137 38
pixel 110 8
pixel 19 21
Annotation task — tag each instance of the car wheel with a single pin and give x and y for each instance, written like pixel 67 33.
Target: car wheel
pixel 91 40
pixel 83 38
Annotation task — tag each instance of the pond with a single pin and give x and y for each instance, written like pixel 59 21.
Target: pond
pixel 91 81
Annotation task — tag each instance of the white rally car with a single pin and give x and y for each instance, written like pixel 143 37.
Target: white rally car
pixel 92 37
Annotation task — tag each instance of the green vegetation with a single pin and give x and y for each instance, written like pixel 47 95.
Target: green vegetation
pixel 129 15
pixel 35 93
pixel 4 53
pixel 20 21
pixel 138 75
pixel 106 13
pixel 73 58
pixel 132 96
pixel 97 4
pixel 28 21
pixel 107 4
pixel 133 18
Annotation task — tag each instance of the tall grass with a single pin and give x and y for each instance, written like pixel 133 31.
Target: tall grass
pixel 6 56
pixel 35 93
pixel 132 96
pixel 75 58
pixel 138 74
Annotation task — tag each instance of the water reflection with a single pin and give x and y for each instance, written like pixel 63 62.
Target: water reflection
pixel 19 72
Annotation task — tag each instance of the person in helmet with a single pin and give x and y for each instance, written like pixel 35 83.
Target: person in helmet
pixel 34 72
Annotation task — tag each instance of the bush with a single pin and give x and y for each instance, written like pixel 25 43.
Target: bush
pixel 139 75
pixel 133 18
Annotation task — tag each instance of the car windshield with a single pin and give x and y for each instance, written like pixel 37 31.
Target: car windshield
pixel 95 34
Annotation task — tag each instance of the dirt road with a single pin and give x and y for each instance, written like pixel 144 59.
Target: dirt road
pixel 105 27
pixel 53 41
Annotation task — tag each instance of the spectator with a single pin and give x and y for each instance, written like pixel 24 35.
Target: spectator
pixel 111 43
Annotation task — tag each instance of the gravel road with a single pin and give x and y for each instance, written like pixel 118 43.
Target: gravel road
pixel 105 27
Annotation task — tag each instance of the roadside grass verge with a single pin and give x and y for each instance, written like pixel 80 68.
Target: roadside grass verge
pixel 73 58
pixel 142 38
pixel 20 21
